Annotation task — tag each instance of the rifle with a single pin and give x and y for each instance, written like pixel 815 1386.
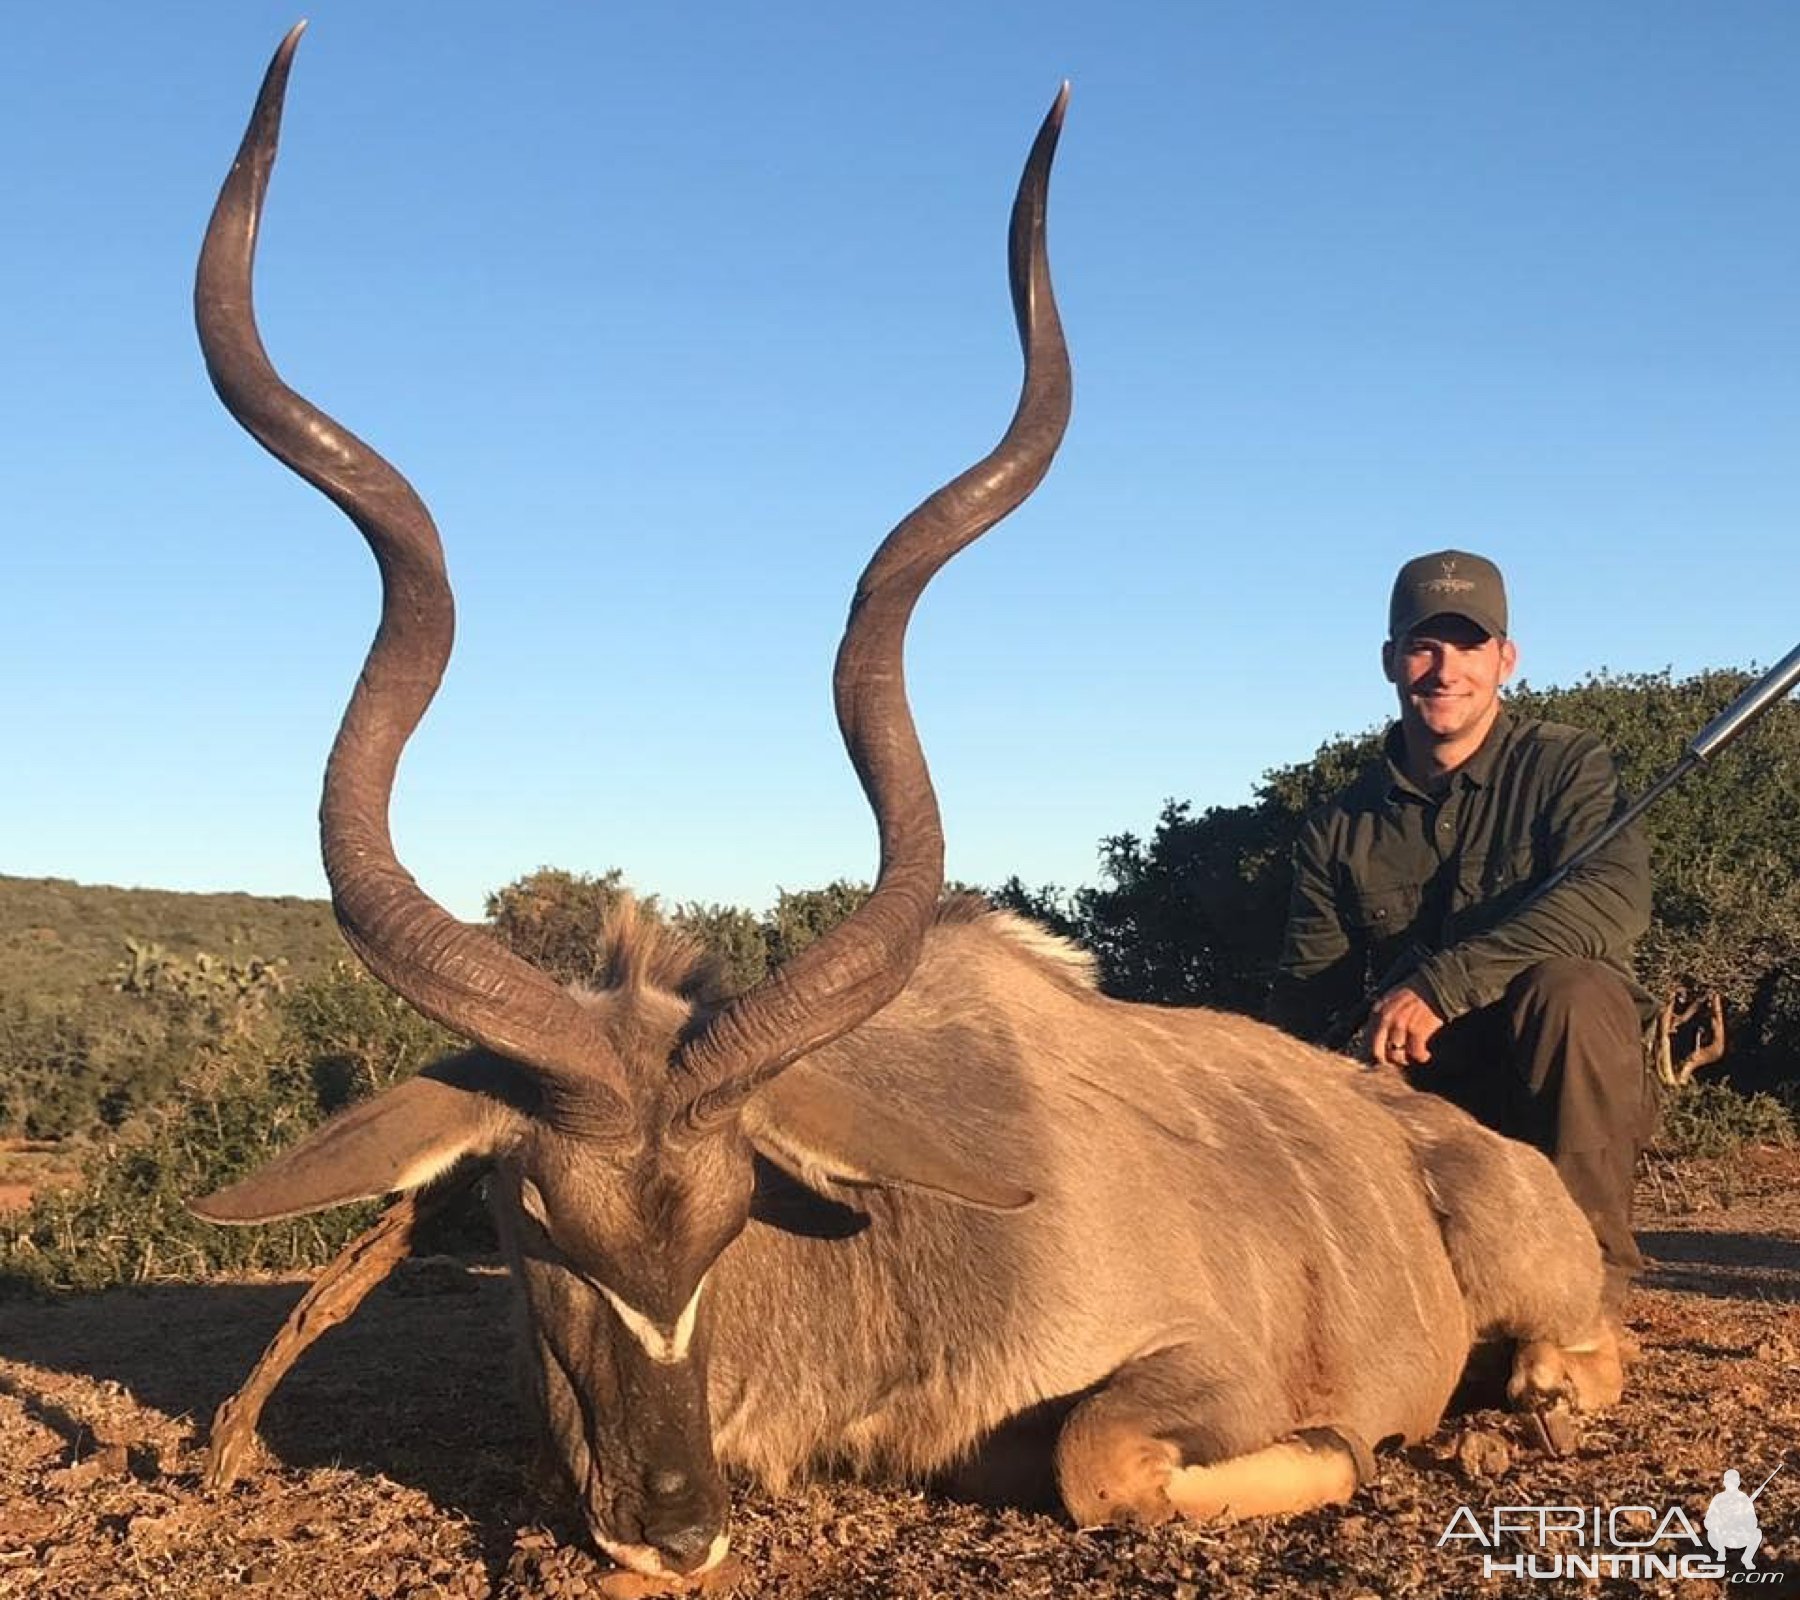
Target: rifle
pixel 1774 685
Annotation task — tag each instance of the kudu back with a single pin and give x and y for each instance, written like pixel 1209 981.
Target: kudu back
pixel 925 1190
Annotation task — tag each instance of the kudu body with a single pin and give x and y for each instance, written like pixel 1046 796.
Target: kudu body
pixel 925 1192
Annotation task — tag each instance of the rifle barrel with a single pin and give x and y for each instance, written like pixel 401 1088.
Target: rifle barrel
pixel 1773 685
pixel 1768 1480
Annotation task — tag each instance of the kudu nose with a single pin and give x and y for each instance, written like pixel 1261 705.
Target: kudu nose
pixel 675 1520
pixel 684 1549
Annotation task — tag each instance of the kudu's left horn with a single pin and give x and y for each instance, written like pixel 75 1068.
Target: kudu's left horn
pixel 860 965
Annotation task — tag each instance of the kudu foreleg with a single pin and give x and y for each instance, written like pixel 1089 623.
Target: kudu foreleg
pixel 1589 1376
pixel 1119 1460
pixel 362 1264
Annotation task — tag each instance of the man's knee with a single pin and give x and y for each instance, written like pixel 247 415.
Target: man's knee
pixel 1575 1031
pixel 1568 985
pixel 1566 995
pixel 1578 1041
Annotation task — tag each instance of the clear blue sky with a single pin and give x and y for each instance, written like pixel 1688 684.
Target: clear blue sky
pixel 670 311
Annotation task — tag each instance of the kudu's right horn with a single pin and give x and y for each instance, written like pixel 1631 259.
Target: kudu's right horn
pixel 456 974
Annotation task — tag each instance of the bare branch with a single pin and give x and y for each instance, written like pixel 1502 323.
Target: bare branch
pixel 362 1264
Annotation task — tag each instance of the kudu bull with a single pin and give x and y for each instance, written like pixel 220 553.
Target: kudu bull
pixel 924 1189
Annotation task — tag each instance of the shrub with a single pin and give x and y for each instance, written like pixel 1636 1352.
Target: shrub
pixel 247 1096
pixel 1709 1119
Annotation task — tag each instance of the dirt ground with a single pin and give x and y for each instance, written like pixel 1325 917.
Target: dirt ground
pixel 394 1463
pixel 28 1166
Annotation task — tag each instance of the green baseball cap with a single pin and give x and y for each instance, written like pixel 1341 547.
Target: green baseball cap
pixel 1450 581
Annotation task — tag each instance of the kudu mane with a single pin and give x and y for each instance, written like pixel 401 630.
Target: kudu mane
pixel 637 950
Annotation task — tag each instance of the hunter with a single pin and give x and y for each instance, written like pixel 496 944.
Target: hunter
pixel 1407 887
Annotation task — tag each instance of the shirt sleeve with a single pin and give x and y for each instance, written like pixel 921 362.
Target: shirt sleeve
pixel 1319 973
pixel 1598 912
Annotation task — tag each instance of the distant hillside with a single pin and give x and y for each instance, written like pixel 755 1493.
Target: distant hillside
pixel 60 942
pixel 77 1050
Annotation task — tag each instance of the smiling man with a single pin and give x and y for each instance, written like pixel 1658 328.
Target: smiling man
pixel 1409 886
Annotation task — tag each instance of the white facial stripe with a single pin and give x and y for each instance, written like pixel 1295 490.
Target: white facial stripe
pixel 663 1347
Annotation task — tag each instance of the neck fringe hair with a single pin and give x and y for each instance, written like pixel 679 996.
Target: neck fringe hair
pixel 637 951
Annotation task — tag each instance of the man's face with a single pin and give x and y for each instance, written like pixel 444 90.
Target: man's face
pixel 1448 673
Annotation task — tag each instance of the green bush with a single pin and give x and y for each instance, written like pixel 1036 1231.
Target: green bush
pixel 249 1093
pixel 552 918
pixel 1709 1119
pixel 127 1221
pixel 88 1036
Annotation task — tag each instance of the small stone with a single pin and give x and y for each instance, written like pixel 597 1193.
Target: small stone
pixel 82 1475
pixel 1482 1455
pixel 27 1524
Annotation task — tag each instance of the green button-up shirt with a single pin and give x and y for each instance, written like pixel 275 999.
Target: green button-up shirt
pixel 1390 880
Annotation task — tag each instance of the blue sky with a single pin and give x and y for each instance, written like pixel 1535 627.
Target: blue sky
pixel 671 311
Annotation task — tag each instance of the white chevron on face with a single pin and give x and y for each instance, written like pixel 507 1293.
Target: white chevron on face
pixel 664 1346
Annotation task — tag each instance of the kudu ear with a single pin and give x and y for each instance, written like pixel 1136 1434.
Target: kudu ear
pixel 396 1142
pixel 820 1127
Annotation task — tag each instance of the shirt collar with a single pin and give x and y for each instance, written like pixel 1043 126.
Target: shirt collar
pixel 1475 773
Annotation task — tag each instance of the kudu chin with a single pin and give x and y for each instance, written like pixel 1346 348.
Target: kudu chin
pixel 922 1194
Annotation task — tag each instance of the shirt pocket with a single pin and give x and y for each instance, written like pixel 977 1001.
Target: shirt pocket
pixel 1505 874
pixel 1381 912
pixel 1489 892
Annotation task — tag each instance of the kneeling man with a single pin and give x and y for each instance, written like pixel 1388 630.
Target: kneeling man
pixel 1411 882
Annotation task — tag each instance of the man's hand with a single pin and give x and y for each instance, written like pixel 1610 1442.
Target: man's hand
pixel 1402 1024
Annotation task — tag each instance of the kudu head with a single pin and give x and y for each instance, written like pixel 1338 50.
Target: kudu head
pixel 619 1126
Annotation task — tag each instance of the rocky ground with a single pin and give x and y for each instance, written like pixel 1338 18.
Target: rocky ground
pixel 394 1459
